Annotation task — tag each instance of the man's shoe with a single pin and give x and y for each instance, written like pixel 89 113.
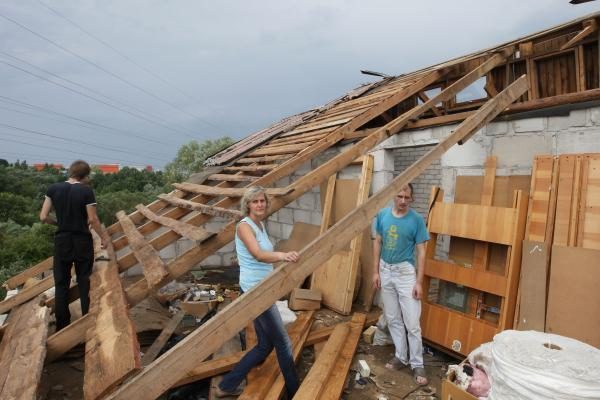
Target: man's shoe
pixel 395 364
pixel 221 393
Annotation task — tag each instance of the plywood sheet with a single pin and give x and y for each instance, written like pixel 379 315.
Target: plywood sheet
pixel 468 189
pixel 573 296
pixel 589 225
pixel 532 309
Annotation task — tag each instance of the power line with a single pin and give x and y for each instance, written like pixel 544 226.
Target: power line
pixel 79 85
pixel 57 120
pixel 99 146
pixel 123 55
pixel 79 153
pixel 94 99
pixel 127 82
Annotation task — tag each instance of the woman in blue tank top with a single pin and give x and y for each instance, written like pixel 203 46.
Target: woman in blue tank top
pixel 255 256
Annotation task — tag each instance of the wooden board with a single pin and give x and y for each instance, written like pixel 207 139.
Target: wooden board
pixel 337 379
pixel 153 266
pixel 27 294
pixel 21 278
pixel 112 349
pixel 532 286
pixel 489 224
pixel 573 296
pixel 468 189
pixel 569 180
pixel 305 299
pixel 315 381
pixel 152 352
pixel 539 198
pixel 23 350
pixel 588 234
pixel 187 231
pixel 203 208
pixel 225 191
pixel 261 379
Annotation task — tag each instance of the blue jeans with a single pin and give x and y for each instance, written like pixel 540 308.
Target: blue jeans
pixel 270 333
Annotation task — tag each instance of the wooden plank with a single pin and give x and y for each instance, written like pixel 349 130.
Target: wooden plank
pixel 337 379
pixel 112 352
pixel 485 223
pixel 566 181
pixel 288 149
pixel 532 286
pixel 486 281
pixel 153 266
pixel 573 297
pixel 20 279
pixel 589 27
pixel 314 383
pixel 232 178
pixel 262 378
pixel 482 250
pixel 188 231
pixel 539 204
pixel 231 192
pixel 159 376
pixel 23 349
pixel 252 160
pixel 202 208
pixel 161 340
pixel 27 294
pixel 589 225
pixel 253 168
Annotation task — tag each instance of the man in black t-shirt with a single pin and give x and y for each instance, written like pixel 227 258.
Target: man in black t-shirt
pixel 75 206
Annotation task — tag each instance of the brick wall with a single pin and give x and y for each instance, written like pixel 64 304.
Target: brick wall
pixel 432 176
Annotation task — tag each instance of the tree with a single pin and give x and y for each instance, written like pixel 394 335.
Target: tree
pixel 191 156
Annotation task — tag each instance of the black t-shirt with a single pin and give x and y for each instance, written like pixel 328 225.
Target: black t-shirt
pixel 70 201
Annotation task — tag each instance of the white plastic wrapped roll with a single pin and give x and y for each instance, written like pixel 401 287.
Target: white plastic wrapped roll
pixel 535 365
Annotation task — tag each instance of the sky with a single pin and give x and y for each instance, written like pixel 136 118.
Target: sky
pixel 131 81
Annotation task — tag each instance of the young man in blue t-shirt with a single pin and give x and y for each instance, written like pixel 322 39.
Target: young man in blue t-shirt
pixel 400 233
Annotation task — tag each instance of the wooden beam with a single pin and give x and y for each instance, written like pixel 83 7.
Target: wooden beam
pixel 26 294
pixel 188 231
pixel 590 26
pixel 252 160
pixel 337 380
pixel 262 378
pixel 202 208
pixel 314 383
pixel 231 192
pixel 154 267
pixel 164 372
pixel 424 98
pixel 112 351
pixel 20 279
pixel 232 178
pixel 23 349
pixel 253 168
pixel 161 340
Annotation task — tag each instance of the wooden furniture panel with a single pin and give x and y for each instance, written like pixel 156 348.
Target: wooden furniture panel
pixel 589 209
pixel 485 223
pixel 481 280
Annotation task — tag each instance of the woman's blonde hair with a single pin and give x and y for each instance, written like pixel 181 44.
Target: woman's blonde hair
pixel 249 195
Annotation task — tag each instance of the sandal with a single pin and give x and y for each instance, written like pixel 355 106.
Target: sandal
pixel 219 393
pixel 395 364
pixel 420 376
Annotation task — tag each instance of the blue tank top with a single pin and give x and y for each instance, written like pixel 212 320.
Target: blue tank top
pixel 252 271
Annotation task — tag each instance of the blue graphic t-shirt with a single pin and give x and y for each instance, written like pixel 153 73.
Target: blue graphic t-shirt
pixel 400 235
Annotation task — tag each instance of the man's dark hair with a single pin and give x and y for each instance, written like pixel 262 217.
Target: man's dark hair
pixel 79 169
pixel 412 189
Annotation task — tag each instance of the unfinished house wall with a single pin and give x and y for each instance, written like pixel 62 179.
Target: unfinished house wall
pixel 514 142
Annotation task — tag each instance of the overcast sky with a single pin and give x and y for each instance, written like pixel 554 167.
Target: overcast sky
pixel 200 69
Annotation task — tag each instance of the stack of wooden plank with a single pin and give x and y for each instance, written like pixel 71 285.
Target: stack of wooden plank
pixel 562 247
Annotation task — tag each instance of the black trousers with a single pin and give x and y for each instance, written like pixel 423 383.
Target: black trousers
pixel 71 248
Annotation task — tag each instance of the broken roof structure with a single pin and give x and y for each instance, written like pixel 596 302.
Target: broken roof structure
pixel 548 69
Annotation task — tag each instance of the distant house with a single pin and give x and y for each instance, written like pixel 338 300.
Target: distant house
pixel 42 166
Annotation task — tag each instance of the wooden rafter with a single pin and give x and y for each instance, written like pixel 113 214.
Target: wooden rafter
pixel 188 231
pixel 153 381
pixel 203 208
pixel 153 266
pixel 112 348
pixel 232 178
pixel 221 191
pixel 589 27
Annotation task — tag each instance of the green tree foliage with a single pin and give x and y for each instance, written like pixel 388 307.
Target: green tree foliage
pixel 191 156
